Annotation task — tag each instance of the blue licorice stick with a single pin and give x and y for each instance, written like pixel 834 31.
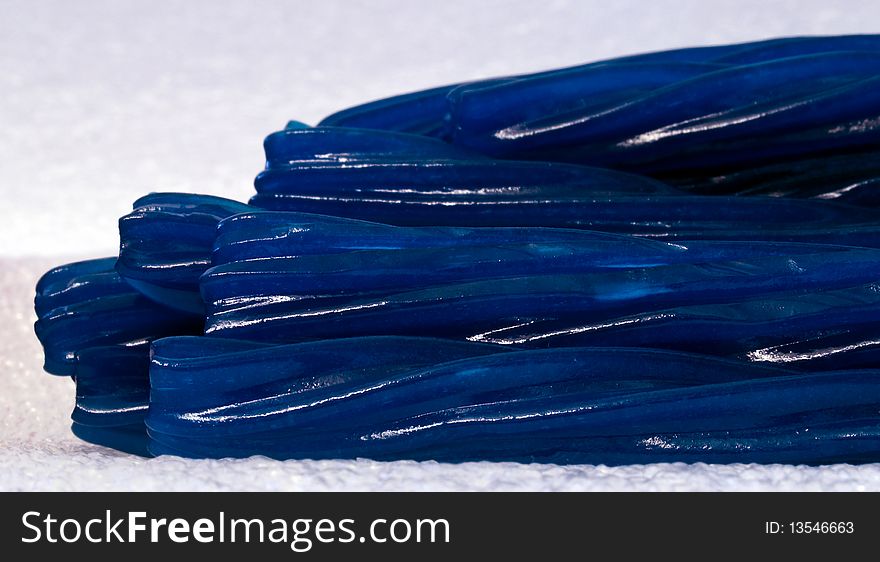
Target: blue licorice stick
pixel 465 309
pixel 105 321
pixel 112 396
pixel 323 393
pixel 324 279
pixel 590 88
pixel 85 305
pixel 646 215
pixel 264 235
pixel 112 384
pixel 713 119
pixel 77 282
pixel 802 72
pixel 521 405
pixel 344 145
pixel 804 116
pixel 849 135
pixel 448 180
pixel 732 406
pixel 820 330
pixel 242 370
pixel 288 234
pixel 165 245
pixel 59 276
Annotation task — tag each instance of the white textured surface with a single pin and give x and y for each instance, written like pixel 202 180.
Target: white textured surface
pixel 103 101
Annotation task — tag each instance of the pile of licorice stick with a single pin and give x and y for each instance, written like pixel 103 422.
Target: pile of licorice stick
pixel 664 257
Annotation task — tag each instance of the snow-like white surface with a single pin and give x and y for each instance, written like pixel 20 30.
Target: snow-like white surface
pixel 102 101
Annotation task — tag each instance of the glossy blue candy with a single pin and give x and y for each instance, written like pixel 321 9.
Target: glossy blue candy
pixel 314 386
pixel 96 328
pixel 491 108
pixel 821 330
pixel 514 406
pixel 262 235
pixel 112 384
pixel 105 321
pixel 324 280
pixel 165 245
pixel 387 269
pixel 743 114
pixel 77 282
pixel 183 370
pixel 86 304
pixel 448 181
pixel 479 307
pixel 644 215
pixel 112 396
pixel 286 234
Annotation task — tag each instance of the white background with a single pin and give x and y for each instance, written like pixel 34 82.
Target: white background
pixel 101 102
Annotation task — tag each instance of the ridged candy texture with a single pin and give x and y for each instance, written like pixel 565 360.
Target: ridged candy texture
pixel 97 329
pixel 87 304
pixel 405 398
pixel 662 257
pixel 165 245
